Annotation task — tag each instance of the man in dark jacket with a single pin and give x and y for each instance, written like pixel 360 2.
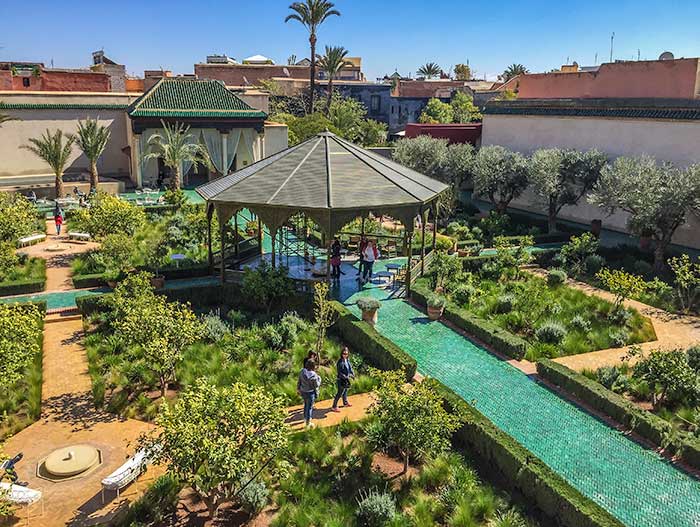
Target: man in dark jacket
pixel 345 373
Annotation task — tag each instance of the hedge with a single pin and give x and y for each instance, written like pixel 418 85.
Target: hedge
pixel 499 339
pixel 21 287
pixel 378 350
pixel 645 424
pixel 509 462
pixel 81 281
pixel 474 263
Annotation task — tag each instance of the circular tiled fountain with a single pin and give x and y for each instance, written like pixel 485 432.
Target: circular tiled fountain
pixel 69 462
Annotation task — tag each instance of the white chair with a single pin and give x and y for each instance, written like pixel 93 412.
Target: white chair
pixel 31 239
pixel 20 495
pixel 127 473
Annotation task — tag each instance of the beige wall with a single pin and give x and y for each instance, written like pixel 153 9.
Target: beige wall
pixel 276 138
pixel 674 141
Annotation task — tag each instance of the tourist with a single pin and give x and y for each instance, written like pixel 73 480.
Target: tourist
pixel 9 469
pixel 58 218
pixel 307 387
pixel 344 374
pixel 361 249
pixel 335 259
pixel 369 255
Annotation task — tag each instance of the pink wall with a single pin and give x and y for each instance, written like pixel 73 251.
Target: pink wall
pixel 672 79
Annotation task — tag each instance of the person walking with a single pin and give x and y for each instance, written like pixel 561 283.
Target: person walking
pixel 58 219
pixel 344 374
pixel 335 259
pixel 370 254
pixel 361 249
pixel 307 386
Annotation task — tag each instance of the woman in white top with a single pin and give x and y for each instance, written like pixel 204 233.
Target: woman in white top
pixel 370 254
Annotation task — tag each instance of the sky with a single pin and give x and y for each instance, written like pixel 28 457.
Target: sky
pixel 389 36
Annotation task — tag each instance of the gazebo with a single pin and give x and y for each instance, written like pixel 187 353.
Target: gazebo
pixel 330 181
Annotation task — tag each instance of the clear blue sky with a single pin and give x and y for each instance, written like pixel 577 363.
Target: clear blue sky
pixel 399 35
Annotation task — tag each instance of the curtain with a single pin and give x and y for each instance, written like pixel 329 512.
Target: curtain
pixel 144 149
pixel 212 140
pixel 192 138
pixel 232 141
pixel 248 136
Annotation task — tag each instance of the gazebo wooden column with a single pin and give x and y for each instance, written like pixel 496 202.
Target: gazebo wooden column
pixel 223 251
pixel 423 220
pixel 435 211
pixel 210 213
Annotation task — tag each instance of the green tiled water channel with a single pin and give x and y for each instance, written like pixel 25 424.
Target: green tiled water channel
pixel 633 483
pixel 55 300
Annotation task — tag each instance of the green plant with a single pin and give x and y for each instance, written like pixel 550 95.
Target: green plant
pixel 513 71
pixel 324 315
pixel 254 496
pixel 458 230
pixel 375 509
pixel 443 268
pixel 621 284
pixel 593 263
pixel 687 280
pixel 670 375
pixel 215 328
pixel 368 303
pixel 556 277
pixel 573 255
pixel 219 440
pixel 267 285
pixel 424 154
pixel 464 293
pixel 52 148
pixel 436 301
pixel 580 323
pixel 8 260
pixel 551 332
pixel 694 358
pixel 463 108
pixel 437 112
pixel 332 63
pixel 107 215
pixel 20 325
pixel 429 70
pixel 19 216
pixel 504 303
pixel 619 337
pixel 499 174
pixel 92 139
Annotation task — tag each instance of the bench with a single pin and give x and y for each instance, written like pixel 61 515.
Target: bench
pixel 83 236
pixel 128 472
pixel 31 239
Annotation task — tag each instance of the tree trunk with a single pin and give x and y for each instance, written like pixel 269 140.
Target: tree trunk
pixel 163 387
pixel 330 96
pixel 175 183
pixel 312 72
pixel 552 218
pixel 93 176
pixel 59 185
pixel 659 256
pixel 405 463
pixel 502 207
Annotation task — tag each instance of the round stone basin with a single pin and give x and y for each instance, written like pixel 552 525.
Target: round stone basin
pixel 71 460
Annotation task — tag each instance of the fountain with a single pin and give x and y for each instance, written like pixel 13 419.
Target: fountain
pixel 69 462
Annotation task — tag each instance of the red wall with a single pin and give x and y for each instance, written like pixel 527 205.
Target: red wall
pixel 672 79
pixel 454 133
pixel 56 81
pixel 233 75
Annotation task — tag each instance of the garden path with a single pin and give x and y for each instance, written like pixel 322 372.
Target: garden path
pixel 633 483
pixel 323 416
pixel 672 331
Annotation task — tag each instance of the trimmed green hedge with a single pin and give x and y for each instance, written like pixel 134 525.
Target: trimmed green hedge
pixel 22 287
pixel 499 339
pixel 647 425
pixel 378 350
pixel 82 281
pixel 519 469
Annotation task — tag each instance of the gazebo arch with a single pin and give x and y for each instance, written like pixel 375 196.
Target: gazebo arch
pixel 330 180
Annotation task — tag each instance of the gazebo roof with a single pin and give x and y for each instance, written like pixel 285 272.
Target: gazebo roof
pixel 192 98
pixel 328 177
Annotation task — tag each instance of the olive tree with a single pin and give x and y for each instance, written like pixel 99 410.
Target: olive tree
pixel 410 418
pixel 219 440
pixel 563 177
pixel 423 154
pixel 657 197
pixel 500 174
pixel 437 112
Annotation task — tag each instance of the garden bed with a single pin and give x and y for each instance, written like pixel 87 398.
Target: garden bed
pixel 27 276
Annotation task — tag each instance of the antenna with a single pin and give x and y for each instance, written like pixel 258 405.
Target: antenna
pixel 612 39
pixel 595 61
pixel 639 53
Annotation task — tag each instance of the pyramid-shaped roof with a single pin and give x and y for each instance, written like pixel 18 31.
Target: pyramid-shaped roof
pixel 192 98
pixel 325 172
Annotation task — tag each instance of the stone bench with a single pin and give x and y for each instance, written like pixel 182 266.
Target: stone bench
pixel 31 239
pixel 82 236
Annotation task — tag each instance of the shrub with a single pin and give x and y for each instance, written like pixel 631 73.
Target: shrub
pixel 375 508
pixel 108 214
pixel 267 285
pixel 687 279
pixel 19 217
pixel 444 267
pixel 642 268
pixel 458 230
pixel 444 243
pixel 504 303
pixel 436 301
pixel 289 327
pixel 272 337
pixel 607 375
pixel 464 293
pixel 556 277
pixel 621 284
pixel 620 316
pixel 593 263
pixel 214 327
pixel 618 337
pixel 8 259
pixel 367 303
pixel 236 317
pixel 694 358
pixel 551 332
pixel 574 254
pixel 254 496
pixel 581 323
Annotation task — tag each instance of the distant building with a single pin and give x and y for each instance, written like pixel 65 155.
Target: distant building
pixel 220 59
pixel 453 132
pixel 259 60
pixel 115 72
pixel 34 76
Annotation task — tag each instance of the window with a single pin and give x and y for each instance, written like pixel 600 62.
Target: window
pixel 393 109
pixel 375 103
pixel 26 82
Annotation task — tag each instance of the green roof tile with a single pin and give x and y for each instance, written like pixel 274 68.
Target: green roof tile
pixel 192 98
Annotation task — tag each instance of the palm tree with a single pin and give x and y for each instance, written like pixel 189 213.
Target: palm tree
pixel 4 118
pixel 331 63
pixel 513 71
pixel 311 14
pixel 92 139
pixel 175 147
pixel 429 70
pixel 51 148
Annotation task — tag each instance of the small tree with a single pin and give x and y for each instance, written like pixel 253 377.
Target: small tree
pixel 19 216
pixel 445 268
pixel 324 315
pixel 562 177
pixel 621 284
pixel 332 63
pixel 92 139
pixel 20 332
pixel 463 108
pixel 219 440
pixel 574 253
pixel 658 198
pixel 500 174
pixel 437 112
pixel 462 72
pixel 423 154
pixel 55 149
pixel 509 259
pixel 372 133
pixel 669 376
pixel 410 418
pixel 429 70
pixel 687 280
pixel 459 166
pixel 267 285
pixel 108 214
pixel 175 146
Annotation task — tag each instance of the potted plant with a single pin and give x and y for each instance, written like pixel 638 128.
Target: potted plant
pixel 154 259
pixel 436 305
pixel 251 228
pixel 369 307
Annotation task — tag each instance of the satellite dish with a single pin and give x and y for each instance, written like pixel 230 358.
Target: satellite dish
pixel 245 81
pixel 286 72
pixel 666 55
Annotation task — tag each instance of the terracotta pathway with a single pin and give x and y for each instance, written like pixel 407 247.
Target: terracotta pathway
pixel 672 331
pixel 323 416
